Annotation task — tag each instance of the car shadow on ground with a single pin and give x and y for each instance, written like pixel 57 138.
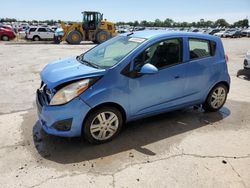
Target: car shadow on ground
pixel 244 73
pixel 134 135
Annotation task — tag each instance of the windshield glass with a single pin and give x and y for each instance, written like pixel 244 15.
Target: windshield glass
pixel 111 52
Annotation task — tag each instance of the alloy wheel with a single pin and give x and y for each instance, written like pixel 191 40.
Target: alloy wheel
pixel 218 97
pixel 104 125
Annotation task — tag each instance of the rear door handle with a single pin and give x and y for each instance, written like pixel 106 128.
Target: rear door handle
pixel 176 77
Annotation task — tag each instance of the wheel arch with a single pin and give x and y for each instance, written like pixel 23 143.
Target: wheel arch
pixel 213 86
pixel 36 36
pixel 106 104
pixel 222 82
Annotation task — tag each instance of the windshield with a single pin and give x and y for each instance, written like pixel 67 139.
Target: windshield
pixel 111 52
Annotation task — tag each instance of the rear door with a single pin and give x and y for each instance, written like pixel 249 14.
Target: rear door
pixel 201 58
pixel 31 32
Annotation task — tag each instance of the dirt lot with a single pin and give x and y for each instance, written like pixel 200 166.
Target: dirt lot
pixel 186 148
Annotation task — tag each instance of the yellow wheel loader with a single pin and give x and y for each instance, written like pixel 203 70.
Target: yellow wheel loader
pixel 93 28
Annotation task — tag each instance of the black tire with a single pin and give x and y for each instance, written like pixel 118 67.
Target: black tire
pixel 74 37
pixel 92 117
pixel 102 36
pixel 5 38
pixel 57 39
pixel 208 106
pixel 36 38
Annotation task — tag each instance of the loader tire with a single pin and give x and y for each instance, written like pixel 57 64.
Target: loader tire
pixel 74 37
pixel 102 36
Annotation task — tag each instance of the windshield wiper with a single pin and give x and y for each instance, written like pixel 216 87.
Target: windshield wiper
pixel 85 62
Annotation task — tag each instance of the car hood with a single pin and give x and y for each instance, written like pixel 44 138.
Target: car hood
pixel 66 70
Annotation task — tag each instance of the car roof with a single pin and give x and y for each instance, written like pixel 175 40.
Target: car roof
pixel 150 34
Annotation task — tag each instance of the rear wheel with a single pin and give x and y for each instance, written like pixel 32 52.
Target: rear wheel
pixel 102 125
pixel 216 98
pixel 36 38
pixel 102 36
pixel 5 38
pixel 74 37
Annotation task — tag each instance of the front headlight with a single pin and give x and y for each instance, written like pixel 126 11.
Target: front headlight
pixel 70 91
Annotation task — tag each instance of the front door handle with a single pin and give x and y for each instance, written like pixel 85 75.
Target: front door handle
pixel 176 77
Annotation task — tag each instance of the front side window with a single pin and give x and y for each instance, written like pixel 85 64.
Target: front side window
pixel 42 30
pixel 161 54
pixel 199 48
pixel 111 52
pixel 49 30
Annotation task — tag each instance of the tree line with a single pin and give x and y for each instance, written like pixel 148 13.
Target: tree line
pixel 171 23
pixel 157 23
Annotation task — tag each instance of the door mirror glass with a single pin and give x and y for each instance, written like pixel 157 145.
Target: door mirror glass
pixel 148 69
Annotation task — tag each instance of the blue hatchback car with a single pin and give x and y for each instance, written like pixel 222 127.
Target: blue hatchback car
pixel 128 77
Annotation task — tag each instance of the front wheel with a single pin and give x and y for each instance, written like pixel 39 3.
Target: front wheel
pixel 103 125
pixel 216 98
pixel 74 37
pixel 36 38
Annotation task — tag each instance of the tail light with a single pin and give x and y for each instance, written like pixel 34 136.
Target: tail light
pixel 227 58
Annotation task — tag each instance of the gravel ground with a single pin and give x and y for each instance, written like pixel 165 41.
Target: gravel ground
pixel 185 148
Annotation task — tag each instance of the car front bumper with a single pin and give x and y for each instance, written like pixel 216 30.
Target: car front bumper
pixel 62 120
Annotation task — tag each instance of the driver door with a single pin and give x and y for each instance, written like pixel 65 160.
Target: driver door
pixel 164 89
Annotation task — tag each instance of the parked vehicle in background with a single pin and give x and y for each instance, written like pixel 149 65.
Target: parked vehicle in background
pixel 138 28
pixel 23 27
pixel 7 34
pixel 196 30
pixel 247 60
pixel 22 34
pixel 220 34
pixel 7 27
pixel 54 28
pixel 233 34
pixel 154 71
pixel 40 33
pixel 245 33
pixel 122 30
pixel 246 71
pixel 212 32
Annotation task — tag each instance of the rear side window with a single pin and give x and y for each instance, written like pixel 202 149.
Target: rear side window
pixel 32 29
pixel 42 30
pixel 199 48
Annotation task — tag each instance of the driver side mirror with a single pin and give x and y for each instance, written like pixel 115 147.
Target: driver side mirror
pixel 148 69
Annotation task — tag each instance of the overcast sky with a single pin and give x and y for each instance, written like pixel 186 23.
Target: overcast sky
pixel 127 10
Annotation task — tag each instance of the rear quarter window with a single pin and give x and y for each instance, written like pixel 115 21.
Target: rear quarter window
pixel 32 30
pixel 199 48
